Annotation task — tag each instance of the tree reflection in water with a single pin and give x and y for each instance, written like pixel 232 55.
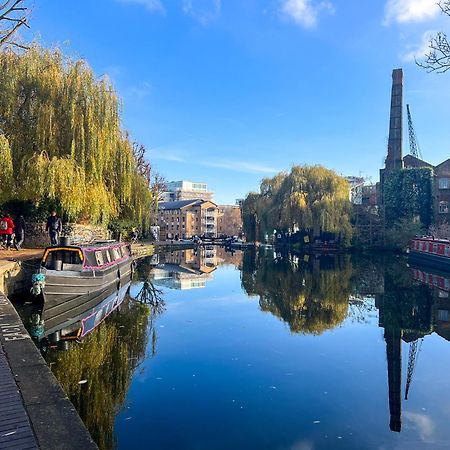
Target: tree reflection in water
pixel 106 359
pixel 310 293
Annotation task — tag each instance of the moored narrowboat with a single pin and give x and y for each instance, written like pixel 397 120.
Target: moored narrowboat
pixel 70 274
pixel 430 251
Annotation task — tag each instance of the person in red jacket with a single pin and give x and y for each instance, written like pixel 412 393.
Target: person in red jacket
pixel 6 230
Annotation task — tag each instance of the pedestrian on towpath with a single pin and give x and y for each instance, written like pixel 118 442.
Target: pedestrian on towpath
pixel 19 232
pixel 6 230
pixel 54 228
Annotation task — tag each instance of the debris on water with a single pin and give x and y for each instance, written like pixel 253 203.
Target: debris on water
pixel 82 382
pixel 316 421
pixel 158 378
pixel 193 374
pixel 161 326
pixel 273 387
pixel 339 437
pixel 127 418
pixel 9 434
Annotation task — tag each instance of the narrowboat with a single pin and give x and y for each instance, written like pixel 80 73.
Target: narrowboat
pixel 430 251
pixel 70 275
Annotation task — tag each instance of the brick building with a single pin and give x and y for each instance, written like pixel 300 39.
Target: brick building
pixel 441 185
pixel 187 218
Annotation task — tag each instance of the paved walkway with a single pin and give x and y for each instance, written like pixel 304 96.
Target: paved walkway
pixel 15 427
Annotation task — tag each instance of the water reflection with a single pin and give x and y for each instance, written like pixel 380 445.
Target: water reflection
pixel 224 340
pixel 313 294
pixel 106 360
pixel 310 293
pixel 190 268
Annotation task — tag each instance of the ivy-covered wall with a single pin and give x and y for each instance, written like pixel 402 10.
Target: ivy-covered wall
pixel 408 193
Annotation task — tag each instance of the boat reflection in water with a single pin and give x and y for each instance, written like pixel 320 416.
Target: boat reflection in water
pixel 58 326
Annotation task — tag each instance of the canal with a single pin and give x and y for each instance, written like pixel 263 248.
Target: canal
pixel 257 350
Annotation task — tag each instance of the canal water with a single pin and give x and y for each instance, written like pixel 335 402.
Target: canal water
pixel 259 350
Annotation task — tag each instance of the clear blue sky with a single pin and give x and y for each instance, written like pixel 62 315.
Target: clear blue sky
pixel 231 91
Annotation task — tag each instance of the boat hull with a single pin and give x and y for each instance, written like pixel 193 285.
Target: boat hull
pixel 430 260
pixel 69 291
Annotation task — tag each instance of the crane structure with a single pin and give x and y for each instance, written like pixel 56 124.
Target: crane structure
pixel 414 350
pixel 414 148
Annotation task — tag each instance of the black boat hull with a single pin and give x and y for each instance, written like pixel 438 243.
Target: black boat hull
pixel 430 260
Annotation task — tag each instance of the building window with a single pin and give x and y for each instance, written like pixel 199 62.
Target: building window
pixel 443 207
pixel 443 315
pixel 444 183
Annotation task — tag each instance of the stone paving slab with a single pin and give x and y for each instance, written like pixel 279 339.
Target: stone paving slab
pixel 15 427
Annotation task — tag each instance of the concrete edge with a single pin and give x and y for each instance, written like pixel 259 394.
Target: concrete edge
pixel 55 421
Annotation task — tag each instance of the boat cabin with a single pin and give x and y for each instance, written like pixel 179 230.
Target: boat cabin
pixel 428 245
pixel 97 256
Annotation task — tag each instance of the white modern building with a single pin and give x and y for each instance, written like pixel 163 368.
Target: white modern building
pixel 186 190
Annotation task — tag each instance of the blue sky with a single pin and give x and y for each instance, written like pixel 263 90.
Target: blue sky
pixel 231 91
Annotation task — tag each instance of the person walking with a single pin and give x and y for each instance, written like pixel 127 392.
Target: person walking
pixel 7 230
pixel 19 232
pixel 54 228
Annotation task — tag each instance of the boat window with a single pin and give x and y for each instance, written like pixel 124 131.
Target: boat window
pixel 124 251
pixel 63 260
pixel 90 259
pixel 99 258
pixel 447 250
pixel 106 256
pixel 443 315
pixel 435 247
pixel 115 253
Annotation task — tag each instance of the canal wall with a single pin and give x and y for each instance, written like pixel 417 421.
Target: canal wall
pixel 54 420
pixel 15 275
pixel 37 237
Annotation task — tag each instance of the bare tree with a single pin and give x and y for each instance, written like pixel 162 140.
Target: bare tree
pixel 438 57
pixel 13 15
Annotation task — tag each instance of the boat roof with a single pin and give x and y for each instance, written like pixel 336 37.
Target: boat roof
pixel 97 245
pixel 432 239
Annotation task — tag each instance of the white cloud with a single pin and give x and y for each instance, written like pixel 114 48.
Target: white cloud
pixel 240 166
pixel 305 12
pixel 422 423
pixel 420 50
pixel 204 11
pixel 150 5
pixel 404 11
pixel 167 157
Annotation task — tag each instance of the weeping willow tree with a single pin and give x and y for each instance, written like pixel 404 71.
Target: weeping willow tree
pixel 63 128
pixel 310 198
pixel 6 168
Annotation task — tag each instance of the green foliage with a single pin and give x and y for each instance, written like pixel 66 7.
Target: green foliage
pixel 66 140
pixel 6 169
pixel 408 194
pixel 399 235
pixel 309 198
